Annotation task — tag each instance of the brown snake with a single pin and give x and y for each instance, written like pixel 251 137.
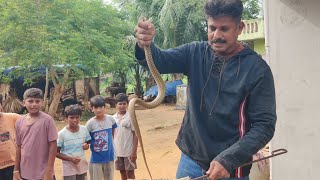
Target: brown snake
pixel 158 100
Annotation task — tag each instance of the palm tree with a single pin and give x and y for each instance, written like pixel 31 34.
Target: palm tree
pixel 182 22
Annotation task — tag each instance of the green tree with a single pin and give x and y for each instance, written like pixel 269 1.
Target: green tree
pixel 59 32
pixel 252 9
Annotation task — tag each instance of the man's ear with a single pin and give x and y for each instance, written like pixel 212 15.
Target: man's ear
pixel 24 103
pixel 240 26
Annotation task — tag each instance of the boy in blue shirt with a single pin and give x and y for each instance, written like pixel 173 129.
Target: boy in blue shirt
pixel 101 128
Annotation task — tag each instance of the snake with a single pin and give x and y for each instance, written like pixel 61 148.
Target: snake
pixel 149 105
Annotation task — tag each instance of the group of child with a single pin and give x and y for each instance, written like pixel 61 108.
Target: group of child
pixel 30 143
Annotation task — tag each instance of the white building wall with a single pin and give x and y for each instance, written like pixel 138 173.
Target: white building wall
pixel 293 43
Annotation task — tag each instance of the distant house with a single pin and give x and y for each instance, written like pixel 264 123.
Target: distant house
pixel 253 34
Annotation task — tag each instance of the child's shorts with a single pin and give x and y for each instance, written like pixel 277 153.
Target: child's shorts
pixel 76 177
pixel 123 163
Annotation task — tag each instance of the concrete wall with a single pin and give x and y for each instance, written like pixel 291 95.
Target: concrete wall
pixel 293 43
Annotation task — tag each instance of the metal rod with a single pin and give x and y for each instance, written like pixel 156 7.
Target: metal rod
pixel 200 177
pixel 273 154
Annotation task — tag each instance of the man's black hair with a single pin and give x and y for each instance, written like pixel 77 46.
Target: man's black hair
pixel 219 8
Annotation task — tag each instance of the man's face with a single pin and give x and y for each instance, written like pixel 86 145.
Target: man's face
pixel 223 34
pixel 33 105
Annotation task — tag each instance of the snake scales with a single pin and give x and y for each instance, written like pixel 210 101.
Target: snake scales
pixel 158 100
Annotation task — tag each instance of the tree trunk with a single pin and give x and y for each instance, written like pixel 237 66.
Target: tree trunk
pixel 86 94
pixel 58 90
pixel 45 97
pixel 123 78
pixel 138 90
pixel 149 81
pixel 55 101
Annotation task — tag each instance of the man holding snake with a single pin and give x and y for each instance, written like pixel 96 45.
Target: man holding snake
pixel 231 107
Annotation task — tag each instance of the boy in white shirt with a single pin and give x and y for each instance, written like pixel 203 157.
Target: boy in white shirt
pixel 125 140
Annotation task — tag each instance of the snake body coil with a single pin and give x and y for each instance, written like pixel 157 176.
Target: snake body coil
pixel 158 100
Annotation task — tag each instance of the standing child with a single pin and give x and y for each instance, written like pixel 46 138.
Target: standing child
pixel 36 139
pixel 101 128
pixel 125 140
pixel 72 141
pixel 7 146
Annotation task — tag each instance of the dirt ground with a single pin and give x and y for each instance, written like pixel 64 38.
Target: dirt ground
pixel 159 128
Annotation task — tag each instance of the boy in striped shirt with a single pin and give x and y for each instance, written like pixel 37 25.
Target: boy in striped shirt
pixel 72 141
